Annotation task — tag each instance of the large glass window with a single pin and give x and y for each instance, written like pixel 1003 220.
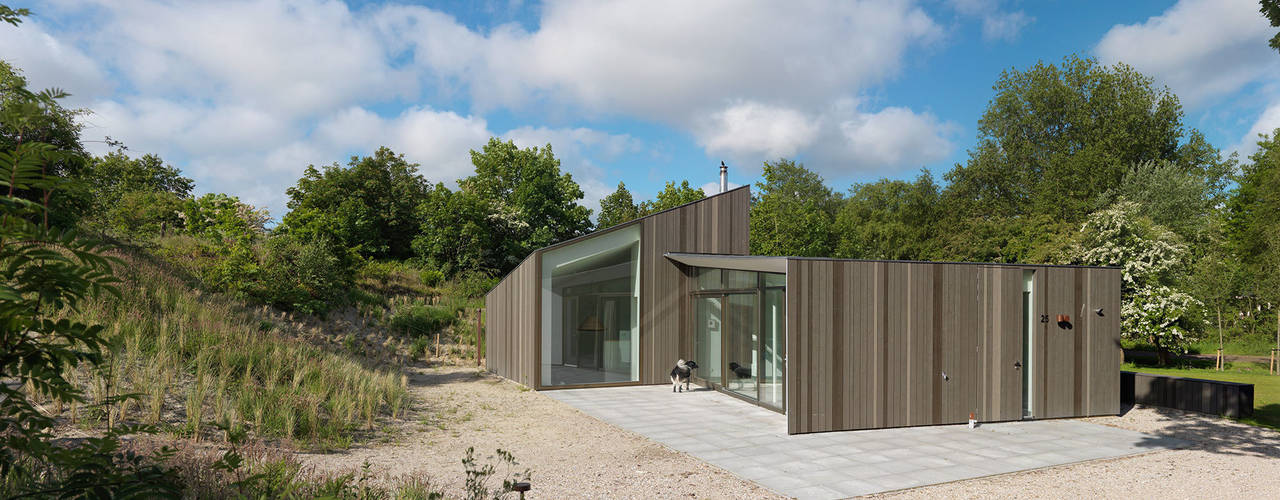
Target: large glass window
pixel 590 310
pixel 740 333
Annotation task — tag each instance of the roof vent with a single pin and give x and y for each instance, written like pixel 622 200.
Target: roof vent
pixel 724 177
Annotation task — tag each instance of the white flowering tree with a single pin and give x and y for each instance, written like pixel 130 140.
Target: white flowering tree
pixel 1150 258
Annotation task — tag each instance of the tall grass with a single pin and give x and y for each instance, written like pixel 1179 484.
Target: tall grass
pixel 197 358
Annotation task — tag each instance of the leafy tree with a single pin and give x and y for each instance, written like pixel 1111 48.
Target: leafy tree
pixel 1151 259
pixel 1172 196
pixel 54 125
pixel 1054 138
pixel 528 184
pixel 1253 228
pixel 134 197
pixel 617 208
pixel 793 212
pixel 370 205
pixel 1271 10
pixel 459 232
pixel 672 196
pixel 48 272
pixel 224 218
pixel 889 219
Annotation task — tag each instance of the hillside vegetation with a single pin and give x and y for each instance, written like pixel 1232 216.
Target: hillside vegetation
pixel 198 358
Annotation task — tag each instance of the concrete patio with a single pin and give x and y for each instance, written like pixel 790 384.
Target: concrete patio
pixel 752 443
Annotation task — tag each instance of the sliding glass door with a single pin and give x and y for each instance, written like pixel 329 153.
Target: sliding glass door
pixel 740 334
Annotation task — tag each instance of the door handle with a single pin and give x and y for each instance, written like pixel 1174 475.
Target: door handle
pixel 1017 365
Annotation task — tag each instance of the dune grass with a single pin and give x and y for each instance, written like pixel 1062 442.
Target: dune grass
pixel 198 358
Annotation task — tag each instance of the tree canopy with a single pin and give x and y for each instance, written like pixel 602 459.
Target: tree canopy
pixel 889 219
pixel 617 207
pixel 528 183
pixel 672 196
pixel 1055 138
pixel 370 205
pixel 793 212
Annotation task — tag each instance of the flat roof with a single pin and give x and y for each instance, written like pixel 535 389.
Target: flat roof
pixel 775 264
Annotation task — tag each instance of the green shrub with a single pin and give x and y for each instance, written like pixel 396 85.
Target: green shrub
pixel 475 284
pixel 418 319
pixel 431 277
pixel 420 347
pixel 309 277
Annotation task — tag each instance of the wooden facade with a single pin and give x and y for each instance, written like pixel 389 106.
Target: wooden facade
pixel 716 224
pixel 891 344
pixel 869 344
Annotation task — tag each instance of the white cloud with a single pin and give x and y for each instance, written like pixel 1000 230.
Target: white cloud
pixel 1004 25
pixel 243 94
pixel 669 60
pixel 1267 123
pixel 48 61
pixel 300 57
pixel 1202 49
pixel 997 24
pixel 896 138
pixel 751 128
pixel 841 139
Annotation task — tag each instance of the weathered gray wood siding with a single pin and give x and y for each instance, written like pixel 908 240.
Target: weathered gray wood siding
pixel 717 224
pixel 888 344
pixel 512 319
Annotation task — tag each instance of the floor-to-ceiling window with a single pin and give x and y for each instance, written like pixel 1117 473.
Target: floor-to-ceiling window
pixel 740 333
pixel 590 310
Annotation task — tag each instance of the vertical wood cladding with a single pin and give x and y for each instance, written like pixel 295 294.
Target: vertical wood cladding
pixel 889 344
pixel 716 224
pixel 512 314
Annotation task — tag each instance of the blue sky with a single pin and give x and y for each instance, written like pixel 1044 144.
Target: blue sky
pixel 243 95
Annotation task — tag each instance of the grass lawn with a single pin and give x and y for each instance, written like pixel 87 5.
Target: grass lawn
pixel 1266 388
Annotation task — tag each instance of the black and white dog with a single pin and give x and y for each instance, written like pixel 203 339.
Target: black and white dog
pixel 681 374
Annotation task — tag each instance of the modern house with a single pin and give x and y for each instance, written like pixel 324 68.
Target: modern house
pixel 835 344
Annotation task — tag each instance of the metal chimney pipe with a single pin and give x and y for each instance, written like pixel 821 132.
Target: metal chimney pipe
pixel 724 177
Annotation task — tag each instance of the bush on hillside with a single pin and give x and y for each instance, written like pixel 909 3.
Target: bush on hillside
pixel 418 319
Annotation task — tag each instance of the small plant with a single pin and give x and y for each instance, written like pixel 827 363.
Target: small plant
pixel 478 476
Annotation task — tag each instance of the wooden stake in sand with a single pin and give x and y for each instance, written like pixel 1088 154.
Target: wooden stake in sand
pixel 479 334
pixel 1271 368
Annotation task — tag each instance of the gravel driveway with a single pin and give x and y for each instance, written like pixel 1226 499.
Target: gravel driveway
pixel 573 455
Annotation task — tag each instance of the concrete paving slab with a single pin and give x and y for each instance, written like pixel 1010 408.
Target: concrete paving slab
pixel 752 443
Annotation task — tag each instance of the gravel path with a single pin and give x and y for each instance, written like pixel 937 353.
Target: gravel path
pixel 1230 460
pixel 571 454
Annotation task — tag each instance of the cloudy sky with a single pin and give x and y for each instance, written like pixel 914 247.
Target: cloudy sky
pixel 243 95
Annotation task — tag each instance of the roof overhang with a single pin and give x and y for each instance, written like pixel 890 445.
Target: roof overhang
pixel 735 262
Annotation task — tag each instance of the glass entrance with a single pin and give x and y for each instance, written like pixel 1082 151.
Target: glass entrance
pixel 740 335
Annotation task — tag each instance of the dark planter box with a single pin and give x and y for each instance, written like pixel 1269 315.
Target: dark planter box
pixel 1229 399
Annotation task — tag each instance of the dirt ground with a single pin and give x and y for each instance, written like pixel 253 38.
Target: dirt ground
pixel 575 456
pixel 571 455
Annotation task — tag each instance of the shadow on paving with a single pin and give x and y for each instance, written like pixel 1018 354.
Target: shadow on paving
pixel 1206 432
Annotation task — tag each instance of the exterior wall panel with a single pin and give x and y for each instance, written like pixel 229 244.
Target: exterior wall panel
pixel 512 320
pixel 889 344
pixel 717 224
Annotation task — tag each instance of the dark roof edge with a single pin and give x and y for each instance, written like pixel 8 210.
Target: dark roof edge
pixel 1004 264
pixel 606 231
pixel 837 259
